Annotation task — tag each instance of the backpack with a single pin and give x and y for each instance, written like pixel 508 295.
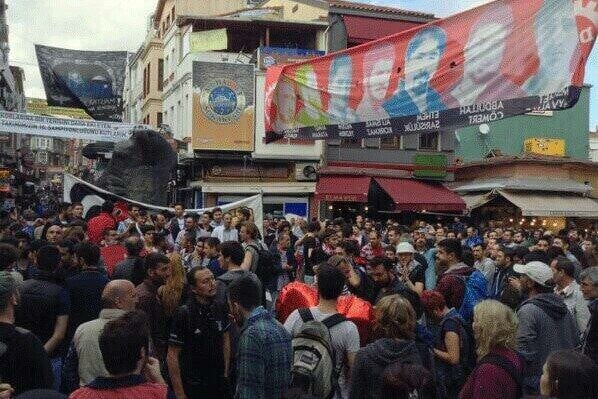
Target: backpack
pixel 266 264
pixel 314 367
pixel 475 291
pixel 508 367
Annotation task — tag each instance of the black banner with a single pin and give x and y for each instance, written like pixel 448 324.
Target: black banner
pixel 427 122
pixel 91 80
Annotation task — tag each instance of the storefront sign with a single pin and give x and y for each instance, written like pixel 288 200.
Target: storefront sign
pixel 223 109
pixel 340 198
pixel 502 59
pixel 431 166
pixel 270 56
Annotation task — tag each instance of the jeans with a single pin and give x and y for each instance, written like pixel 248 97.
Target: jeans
pixel 57 371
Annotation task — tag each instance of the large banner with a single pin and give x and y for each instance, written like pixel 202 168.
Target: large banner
pixel 498 60
pixel 91 80
pixel 49 126
pixel 92 197
pixel 223 109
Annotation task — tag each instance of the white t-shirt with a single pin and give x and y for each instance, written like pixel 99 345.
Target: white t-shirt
pixel 345 340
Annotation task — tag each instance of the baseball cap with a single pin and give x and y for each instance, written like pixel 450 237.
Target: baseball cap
pixel 538 271
pixel 405 248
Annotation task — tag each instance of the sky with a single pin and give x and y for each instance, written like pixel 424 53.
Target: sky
pixel 107 25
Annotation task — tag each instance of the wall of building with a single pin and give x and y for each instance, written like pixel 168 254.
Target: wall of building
pixel 404 151
pixel 299 10
pixel 593 146
pixel 508 135
pixel 151 104
pixel 209 7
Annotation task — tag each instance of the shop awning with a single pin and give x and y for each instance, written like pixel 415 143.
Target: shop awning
pixel 343 188
pixel 545 204
pixel 364 29
pixel 415 195
pixel 473 201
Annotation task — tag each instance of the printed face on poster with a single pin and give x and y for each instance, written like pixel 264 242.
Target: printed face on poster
pixel 502 59
pixel 223 106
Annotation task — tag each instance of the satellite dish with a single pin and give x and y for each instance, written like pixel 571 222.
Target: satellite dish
pixel 484 129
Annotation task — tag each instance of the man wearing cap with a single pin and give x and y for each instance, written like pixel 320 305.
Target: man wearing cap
pixel 545 323
pixel 411 272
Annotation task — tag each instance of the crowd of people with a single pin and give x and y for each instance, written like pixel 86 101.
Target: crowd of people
pixel 186 306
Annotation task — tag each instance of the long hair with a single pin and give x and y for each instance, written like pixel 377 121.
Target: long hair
pixel 494 326
pixel 395 318
pixel 172 291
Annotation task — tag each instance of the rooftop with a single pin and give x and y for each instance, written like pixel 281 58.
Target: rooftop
pixel 375 8
pixel 527 158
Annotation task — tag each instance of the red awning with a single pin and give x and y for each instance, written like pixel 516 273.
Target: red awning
pixel 415 195
pixel 364 29
pixel 343 188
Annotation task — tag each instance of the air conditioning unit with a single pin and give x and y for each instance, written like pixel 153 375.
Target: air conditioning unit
pixel 306 171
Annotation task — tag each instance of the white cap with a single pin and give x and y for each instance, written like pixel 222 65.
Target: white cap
pixel 405 248
pixel 539 272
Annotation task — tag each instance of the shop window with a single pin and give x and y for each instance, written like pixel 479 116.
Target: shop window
pixel 351 143
pixel 429 141
pixel 392 143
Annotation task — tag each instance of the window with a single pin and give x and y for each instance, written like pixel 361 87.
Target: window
pixel 149 74
pixel 391 143
pixel 355 143
pixel 159 118
pixel 161 74
pixel 429 141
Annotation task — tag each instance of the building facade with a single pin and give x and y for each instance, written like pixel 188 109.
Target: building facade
pixel 52 155
pixel 370 176
pixel 593 146
pixel 218 167
pixel 530 191
pixel 12 94
pixel 508 136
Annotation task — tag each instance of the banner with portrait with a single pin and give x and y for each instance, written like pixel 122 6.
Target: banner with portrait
pixel 91 80
pixel 502 59
pixel 223 106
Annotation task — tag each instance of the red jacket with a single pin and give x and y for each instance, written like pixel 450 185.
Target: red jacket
pixel 111 255
pixel 97 225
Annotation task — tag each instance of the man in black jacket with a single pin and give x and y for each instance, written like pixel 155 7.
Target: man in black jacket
pixel 381 282
pixel 24 364
pixel 45 306
pixel 589 288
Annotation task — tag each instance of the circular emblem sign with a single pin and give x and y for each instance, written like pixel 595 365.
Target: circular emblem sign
pixel 222 101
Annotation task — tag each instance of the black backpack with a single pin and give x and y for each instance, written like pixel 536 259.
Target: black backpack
pixel 266 264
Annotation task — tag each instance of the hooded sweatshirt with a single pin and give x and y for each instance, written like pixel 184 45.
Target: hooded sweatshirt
pixel 545 325
pixel 370 362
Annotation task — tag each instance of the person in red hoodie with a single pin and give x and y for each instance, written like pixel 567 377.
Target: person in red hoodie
pixel 111 251
pixel 452 272
pixel 105 220
pixel 497 374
